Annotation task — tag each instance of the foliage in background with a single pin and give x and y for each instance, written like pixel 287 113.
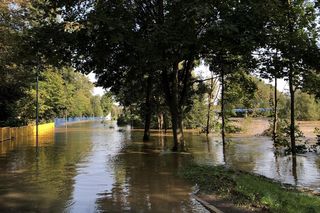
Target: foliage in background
pixel 307 107
pixel 15 77
pixel 240 90
pixel 62 93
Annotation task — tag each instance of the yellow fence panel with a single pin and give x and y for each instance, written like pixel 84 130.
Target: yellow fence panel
pixel 8 133
pixel 43 128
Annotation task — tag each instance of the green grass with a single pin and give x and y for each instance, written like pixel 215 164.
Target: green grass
pixel 246 189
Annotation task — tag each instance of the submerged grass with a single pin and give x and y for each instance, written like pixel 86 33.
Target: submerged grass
pixel 247 189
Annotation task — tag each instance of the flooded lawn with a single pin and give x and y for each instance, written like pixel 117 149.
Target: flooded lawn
pixel 256 155
pixel 90 167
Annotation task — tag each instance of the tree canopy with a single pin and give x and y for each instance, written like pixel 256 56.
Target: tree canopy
pixel 145 52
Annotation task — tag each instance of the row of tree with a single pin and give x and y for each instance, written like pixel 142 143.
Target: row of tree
pixel 257 99
pixel 66 93
pixel 145 51
pixel 62 93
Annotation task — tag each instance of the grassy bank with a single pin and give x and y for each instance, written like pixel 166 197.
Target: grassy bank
pixel 249 190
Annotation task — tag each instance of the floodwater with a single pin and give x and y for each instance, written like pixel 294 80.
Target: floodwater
pixel 91 167
pixel 256 155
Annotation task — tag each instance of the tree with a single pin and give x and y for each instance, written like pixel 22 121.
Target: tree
pixel 271 66
pixel 52 95
pixel 211 90
pixel 295 24
pixel 96 106
pixel 231 38
pixel 106 103
pixel 240 91
pixel 311 82
pixel 15 79
pixel 127 41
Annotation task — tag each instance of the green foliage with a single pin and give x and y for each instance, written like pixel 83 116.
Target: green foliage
pixel 230 128
pixel 247 189
pixel 147 50
pixel 15 78
pixel 96 106
pixel 106 103
pixel 65 93
pixel 52 95
pixel 240 91
pixel 311 82
pixel 130 116
pixel 196 117
pixel 307 107
pixel 283 133
pixel 62 92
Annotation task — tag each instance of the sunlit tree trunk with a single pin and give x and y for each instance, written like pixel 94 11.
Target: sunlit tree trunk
pixel 160 121
pixel 275 115
pixel 210 94
pixel 222 106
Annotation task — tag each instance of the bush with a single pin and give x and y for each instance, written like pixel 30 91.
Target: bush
pixel 283 133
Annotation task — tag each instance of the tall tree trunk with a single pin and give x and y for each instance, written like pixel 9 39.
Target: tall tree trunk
pixel 222 107
pixel 291 86
pixel 171 93
pixel 275 115
pixel 165 122
pixel 209 105
pixel 176 117
pixel 148 111
pixel 177 128
pixel 160 121
pixel 292 112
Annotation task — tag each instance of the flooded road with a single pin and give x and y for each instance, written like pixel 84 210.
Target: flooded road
pixel 91 167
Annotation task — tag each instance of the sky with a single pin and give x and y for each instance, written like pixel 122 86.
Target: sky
pixel 204 72
pixel 96 90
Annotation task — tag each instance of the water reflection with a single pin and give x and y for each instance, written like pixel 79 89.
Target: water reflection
pixel 90 167
pixel 146 182
pixel 256 155
pixel 38 184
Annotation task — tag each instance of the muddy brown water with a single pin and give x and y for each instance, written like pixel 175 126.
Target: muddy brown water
pixel 90 167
